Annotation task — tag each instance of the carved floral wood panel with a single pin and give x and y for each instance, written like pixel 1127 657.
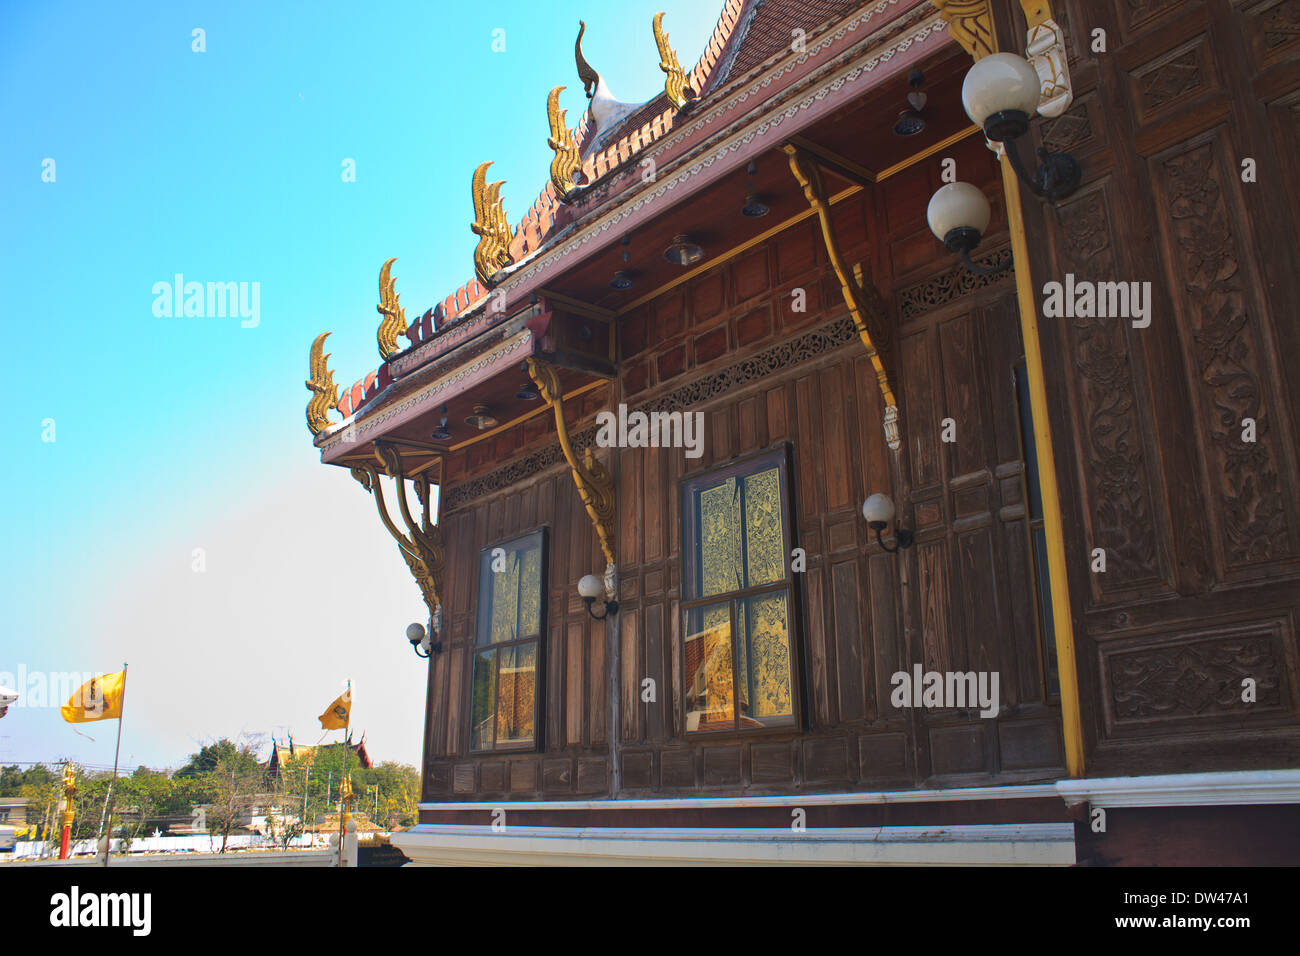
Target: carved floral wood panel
pixel 1221 338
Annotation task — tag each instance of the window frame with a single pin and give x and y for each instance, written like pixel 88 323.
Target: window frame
pixel 1039 572
pixel 538 743
pixel 780 455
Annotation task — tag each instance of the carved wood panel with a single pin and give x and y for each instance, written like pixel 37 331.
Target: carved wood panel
pixel 1198 517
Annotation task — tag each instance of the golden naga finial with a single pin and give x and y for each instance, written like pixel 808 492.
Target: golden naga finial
pixel 321 383
pixel 588 75
pixel 492 253
pixel 675 84
pixel 394 322
pixel 567 162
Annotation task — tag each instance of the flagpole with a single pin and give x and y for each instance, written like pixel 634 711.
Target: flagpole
pixel 346 725
pixel 108 840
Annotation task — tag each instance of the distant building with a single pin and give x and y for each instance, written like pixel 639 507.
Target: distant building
pixel 13 811
pixel 282 755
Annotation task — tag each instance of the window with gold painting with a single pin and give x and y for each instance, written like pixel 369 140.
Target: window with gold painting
pixel 738 647
pixel 507 639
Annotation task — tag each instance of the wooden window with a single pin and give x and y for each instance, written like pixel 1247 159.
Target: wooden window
pixel 738 652
pixel 507 645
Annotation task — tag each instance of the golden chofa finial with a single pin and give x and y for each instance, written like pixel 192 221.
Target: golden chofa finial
pixel 566 163
pixel 492 253
pixel 675 84
pixel 588 75
pixel 394 321
pixel 321 383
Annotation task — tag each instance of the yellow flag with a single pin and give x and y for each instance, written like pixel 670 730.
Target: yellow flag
pixel 336 714
pixel 99 698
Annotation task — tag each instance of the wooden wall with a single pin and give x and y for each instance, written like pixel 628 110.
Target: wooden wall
pixel 728 344
pixel 1201 529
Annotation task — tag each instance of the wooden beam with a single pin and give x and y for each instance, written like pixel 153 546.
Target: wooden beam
pixel 841 166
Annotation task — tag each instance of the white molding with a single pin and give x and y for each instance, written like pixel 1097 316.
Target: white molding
pixel 1185 789
pixel 1035 844
pixel 784 800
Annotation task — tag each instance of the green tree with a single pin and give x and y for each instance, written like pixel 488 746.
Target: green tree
pixel 239 757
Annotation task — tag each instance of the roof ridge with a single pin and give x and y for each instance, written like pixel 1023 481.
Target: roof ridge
pixel 537 222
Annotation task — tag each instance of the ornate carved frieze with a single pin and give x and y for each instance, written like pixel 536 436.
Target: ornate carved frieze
pixel 952 283
pixel 393 323
pixel 756 368
pixel 1114 466
pixel 1067 132
pixel 422 548
pixel 1223 343
pixel 492 253
pixel 1199 678
pixel 320 381
pixel 1281 24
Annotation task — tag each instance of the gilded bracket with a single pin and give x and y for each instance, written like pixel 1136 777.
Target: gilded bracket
pixel 971 24
pixel 492 253
pixel 394 322
pixel 866 305
pixel 325 394
pixel 675 83
pixel 1045 47
pixel 421 549
pixel 567 162
pixel 595 483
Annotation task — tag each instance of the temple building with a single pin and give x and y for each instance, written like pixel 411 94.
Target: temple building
pixel 878 447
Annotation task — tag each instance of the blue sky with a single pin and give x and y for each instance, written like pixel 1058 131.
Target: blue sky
pixel 173 434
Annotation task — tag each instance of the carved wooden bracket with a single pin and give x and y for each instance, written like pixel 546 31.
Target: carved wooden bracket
pixel 595 483
pixel 971 24
pixel 422 549
pixel 866 305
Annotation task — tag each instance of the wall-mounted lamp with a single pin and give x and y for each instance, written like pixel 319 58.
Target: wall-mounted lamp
pixel 958 214
pixel 1000 93
pixel 592 587
pixel 879 511
pixel 421 642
